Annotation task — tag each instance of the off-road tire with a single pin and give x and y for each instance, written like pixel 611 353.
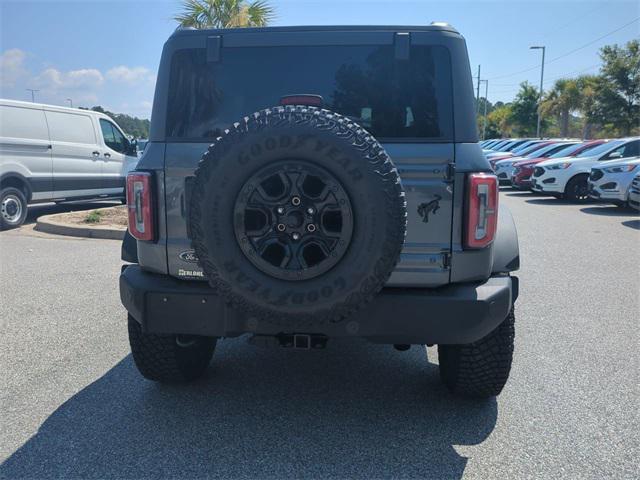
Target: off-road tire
pixel 361 167
pixel 17 194
pixel 479 369
pixel 161 358
pixel 572 190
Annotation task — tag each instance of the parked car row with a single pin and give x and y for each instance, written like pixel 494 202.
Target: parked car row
pixel 58 154
pixel 577 170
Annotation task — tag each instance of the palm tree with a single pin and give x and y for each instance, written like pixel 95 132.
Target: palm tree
pixel 589 87
pixel 562 100
pixel 225 13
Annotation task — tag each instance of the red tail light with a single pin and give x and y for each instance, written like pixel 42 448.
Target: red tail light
pixel 139 205
pixel 481 210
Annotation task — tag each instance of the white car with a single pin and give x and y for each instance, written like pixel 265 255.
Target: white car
pixel 53 154
pixel 634 193
pixel 569 177
pixel 611 181
pixel 504 168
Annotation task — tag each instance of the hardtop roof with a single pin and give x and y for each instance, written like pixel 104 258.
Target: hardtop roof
pixel 439 28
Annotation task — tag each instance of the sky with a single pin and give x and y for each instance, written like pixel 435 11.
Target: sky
pixel 106 52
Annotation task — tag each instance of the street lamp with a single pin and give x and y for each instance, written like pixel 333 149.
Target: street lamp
pixel 70 102
pixel 543 48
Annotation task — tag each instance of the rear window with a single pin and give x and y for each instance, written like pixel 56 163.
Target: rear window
pixel 394 99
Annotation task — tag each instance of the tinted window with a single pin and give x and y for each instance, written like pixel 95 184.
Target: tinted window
pixel 541 152
pixel 391 98
pixel 505 146
pixel 71 127
pixel 28 123
pixel 533 148
pixel 566 151
pixel 631 149
pixel 524 147
pixel 112 136
pixel 552 149
pixel 605 147
pixel 514 145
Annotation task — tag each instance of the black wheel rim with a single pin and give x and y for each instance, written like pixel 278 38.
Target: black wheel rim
pixel 581 191
pixel 293 220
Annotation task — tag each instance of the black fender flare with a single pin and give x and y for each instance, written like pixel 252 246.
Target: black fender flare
pixel 506 252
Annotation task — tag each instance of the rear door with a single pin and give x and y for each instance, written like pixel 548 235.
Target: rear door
pixel 398 86
pixel 77 167
pixel 25 148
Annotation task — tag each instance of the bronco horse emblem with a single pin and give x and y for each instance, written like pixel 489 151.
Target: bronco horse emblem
pixel 424 209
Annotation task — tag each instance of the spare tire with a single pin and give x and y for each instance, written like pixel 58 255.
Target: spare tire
pixel 297 216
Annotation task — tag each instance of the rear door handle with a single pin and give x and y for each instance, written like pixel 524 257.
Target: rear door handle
pixel 107 155
pixel 96 153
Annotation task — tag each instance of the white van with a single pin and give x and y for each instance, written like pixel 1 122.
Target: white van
pixel 50 153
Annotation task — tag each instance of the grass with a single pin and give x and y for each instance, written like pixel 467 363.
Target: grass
pixel 93 217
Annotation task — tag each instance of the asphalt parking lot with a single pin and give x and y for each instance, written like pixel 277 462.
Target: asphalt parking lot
pixel 73 405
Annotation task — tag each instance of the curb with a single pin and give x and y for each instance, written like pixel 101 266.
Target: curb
pixel 49 224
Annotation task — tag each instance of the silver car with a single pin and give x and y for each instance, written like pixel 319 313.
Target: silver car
pixel 611 181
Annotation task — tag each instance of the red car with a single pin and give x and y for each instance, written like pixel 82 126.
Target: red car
pixel 523 170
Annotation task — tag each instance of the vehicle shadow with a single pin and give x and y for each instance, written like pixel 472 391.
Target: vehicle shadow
pixel 610 211
pixel 38 209
pixel 354 410
pixel 547 201
pixel 635 224
pixel 523 193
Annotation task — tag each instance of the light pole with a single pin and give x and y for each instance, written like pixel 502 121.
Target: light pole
pixel 33 91
pixel 70 102
pixel 486 93
pixel 543 48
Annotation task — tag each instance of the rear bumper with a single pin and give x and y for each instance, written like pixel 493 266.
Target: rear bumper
pixel 455 314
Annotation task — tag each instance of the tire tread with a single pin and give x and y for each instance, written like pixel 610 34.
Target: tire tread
pixel 378 162
pixel 479 369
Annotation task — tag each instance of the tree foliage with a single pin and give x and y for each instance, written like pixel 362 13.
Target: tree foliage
pixel 224 13
pixel 561 101
pixel 524 110
pixel 134 126
pixel 618 91
pixel 591 106
pixel 499 122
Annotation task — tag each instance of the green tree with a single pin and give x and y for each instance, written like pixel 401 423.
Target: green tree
pixel 561 101
pixel 224 13
pixel 480 120
pixel 588 86
pixel 524 111
pixel 618 92
pixel 134 126
pixel 499 122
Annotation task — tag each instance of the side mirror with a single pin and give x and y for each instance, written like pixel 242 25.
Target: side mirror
pixel 614 155
pixel 132 148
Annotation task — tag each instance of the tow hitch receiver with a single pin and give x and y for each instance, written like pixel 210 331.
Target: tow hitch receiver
pixel 299 341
